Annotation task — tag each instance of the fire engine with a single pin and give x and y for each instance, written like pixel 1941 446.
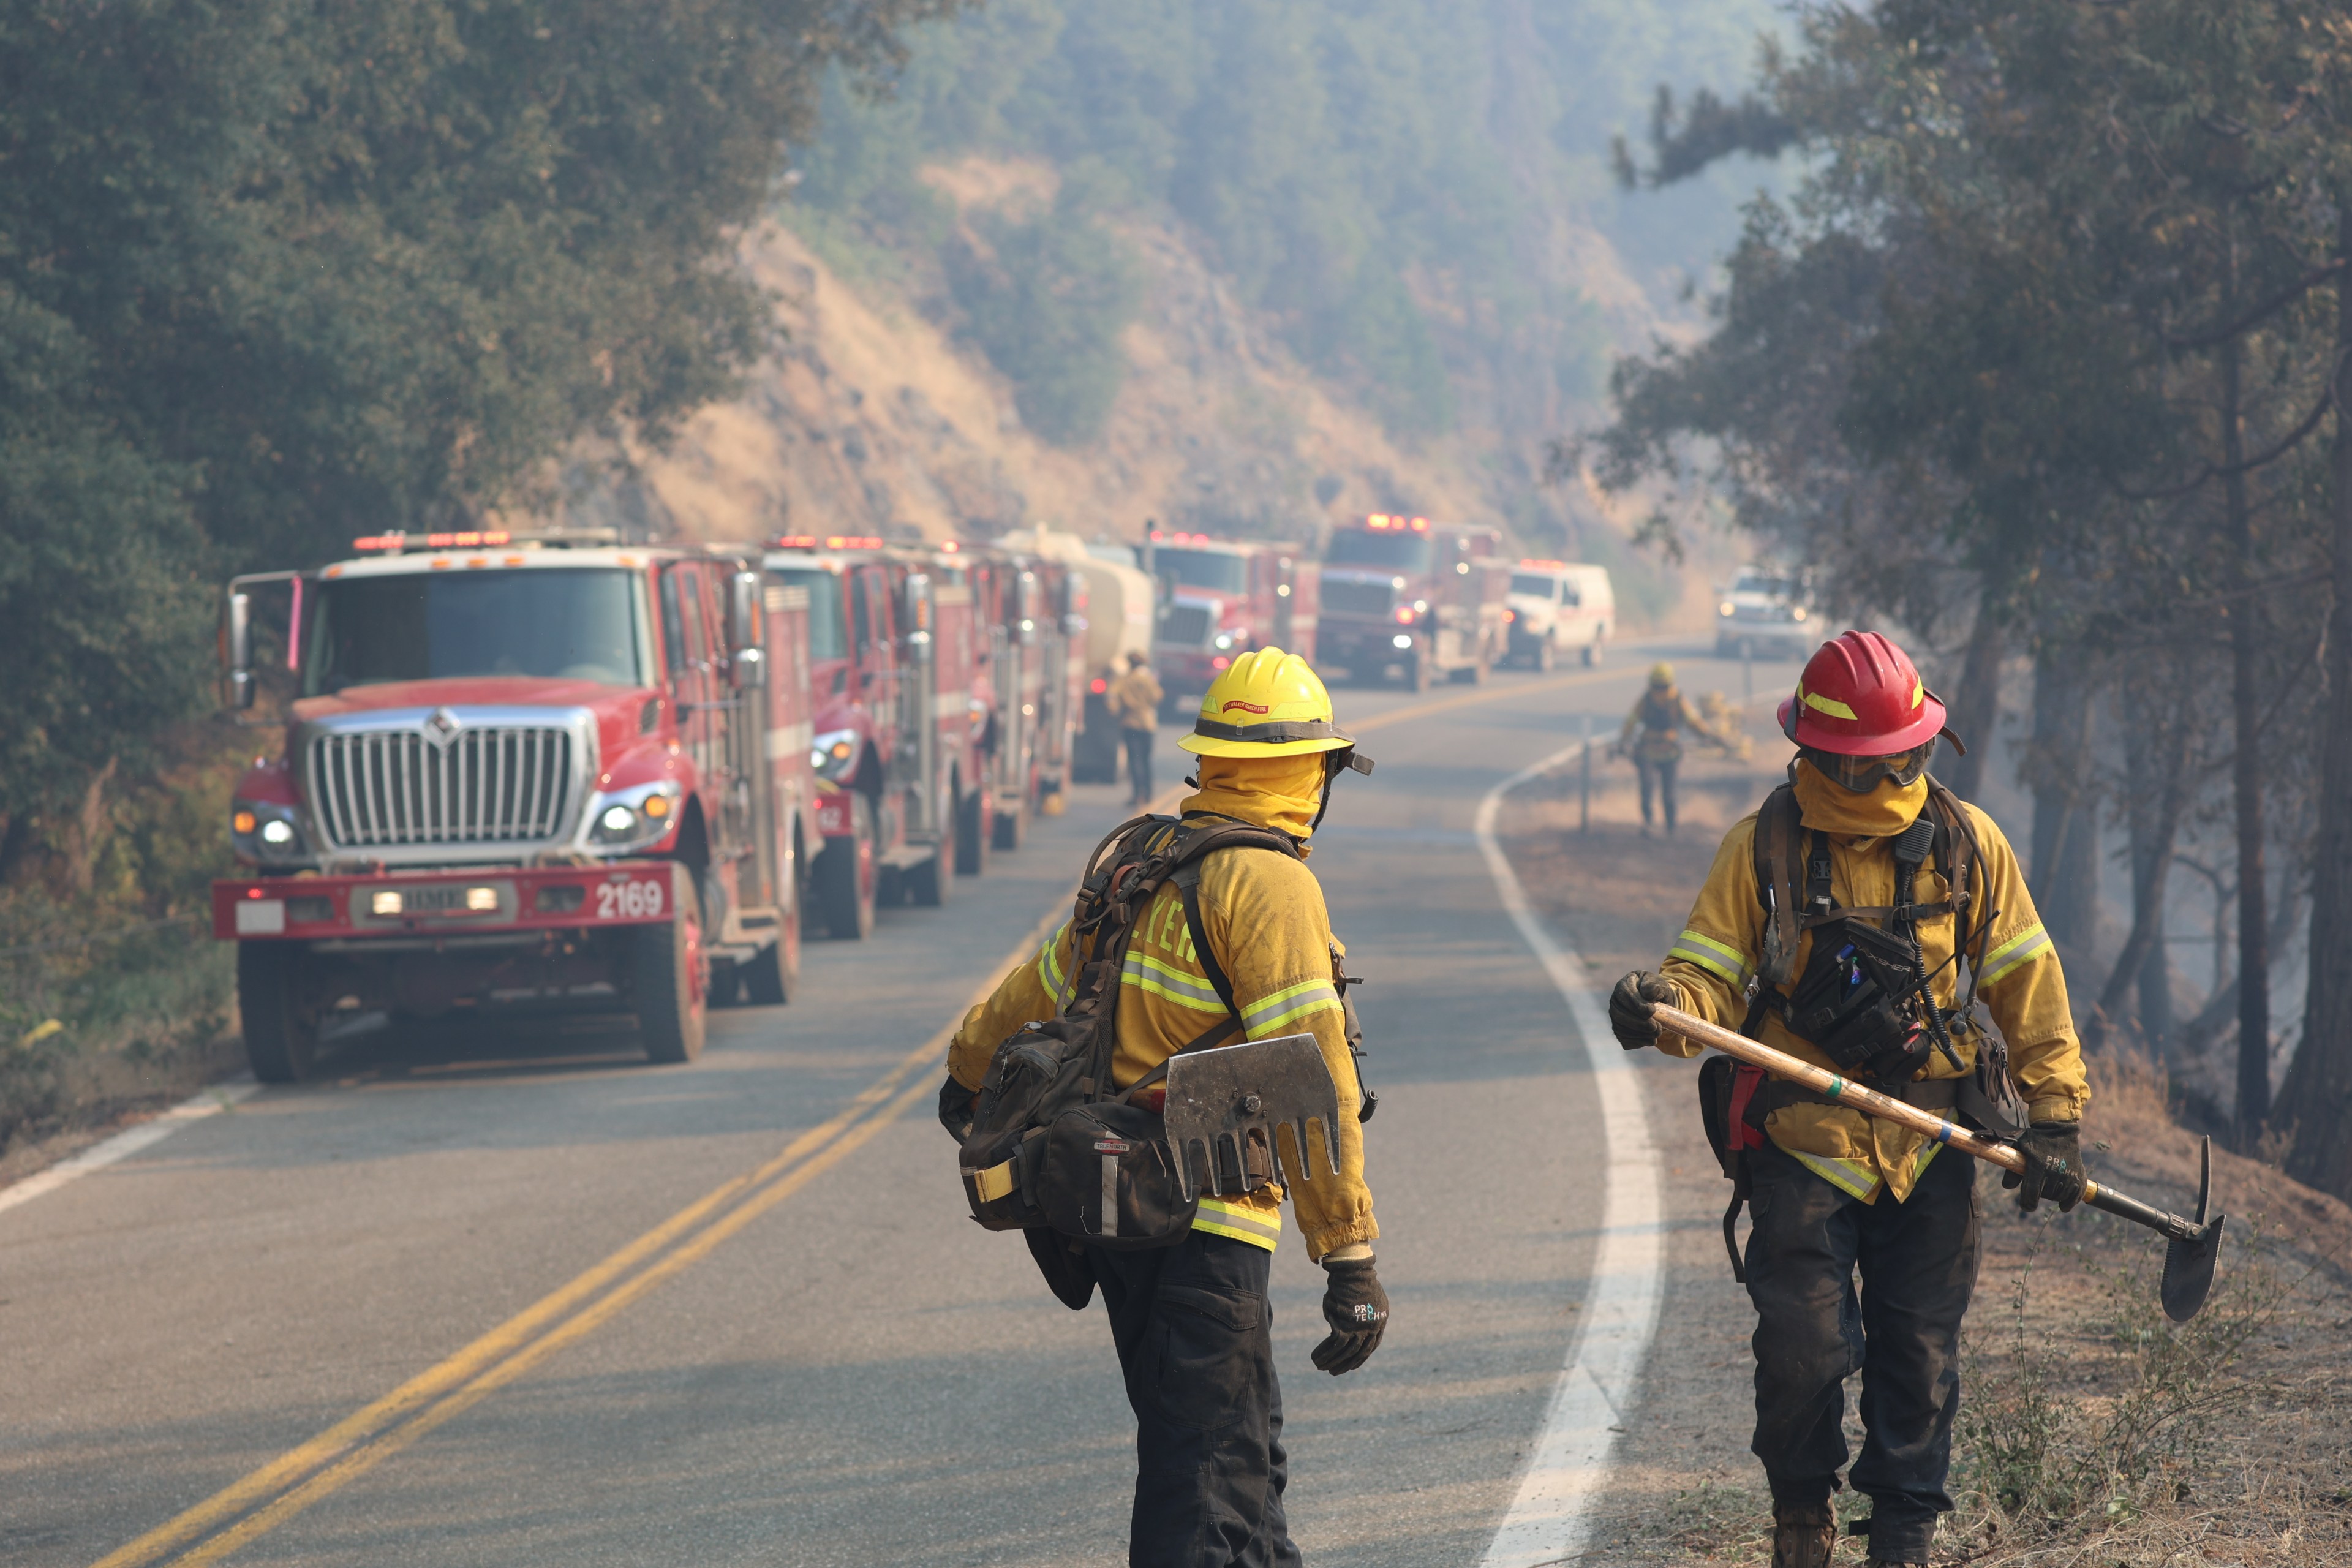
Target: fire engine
pixel 905 796
pixel 519 768
pixel 1118 610
pixel 1220 598
pixel 1425 599
pixel 1033 612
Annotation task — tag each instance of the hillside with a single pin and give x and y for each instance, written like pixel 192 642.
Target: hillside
pixel 1011 294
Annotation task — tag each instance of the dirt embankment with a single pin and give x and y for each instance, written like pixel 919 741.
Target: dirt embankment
pixel 2092 1434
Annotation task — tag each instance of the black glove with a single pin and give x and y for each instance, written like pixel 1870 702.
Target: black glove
pixel 1358 1311
pixel 956 1104
pixel 1630 1008
pixel 2053 1166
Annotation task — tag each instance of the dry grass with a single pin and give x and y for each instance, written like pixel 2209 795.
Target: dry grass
pixel 2094 1433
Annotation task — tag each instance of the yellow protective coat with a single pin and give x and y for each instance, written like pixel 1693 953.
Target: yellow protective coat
pixel 1653 731
pixel 2021 985
pixel 1266 921
pixel 1134 699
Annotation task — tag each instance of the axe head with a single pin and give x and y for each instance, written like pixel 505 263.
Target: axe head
pixel 1231 1102
pixel 2189 1259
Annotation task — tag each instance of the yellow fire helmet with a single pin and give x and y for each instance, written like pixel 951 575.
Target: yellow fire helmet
pixel 1268 703
pixel 1662 676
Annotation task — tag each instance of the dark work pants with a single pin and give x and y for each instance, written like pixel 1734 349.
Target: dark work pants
pixel 1660 776
pixel 1138 764
pixel 1194 1333
pixel 1918 1262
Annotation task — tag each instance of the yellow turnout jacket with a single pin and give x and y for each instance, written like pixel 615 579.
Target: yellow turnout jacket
pixel 2021 985
pixel 1266 921
pixel 1134 698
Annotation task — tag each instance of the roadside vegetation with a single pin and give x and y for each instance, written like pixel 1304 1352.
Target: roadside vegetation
pixel 2044 361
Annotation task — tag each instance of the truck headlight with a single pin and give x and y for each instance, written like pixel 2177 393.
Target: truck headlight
pixel 624 819
pixel 1725 608
pixel 834 754
pixel 265 833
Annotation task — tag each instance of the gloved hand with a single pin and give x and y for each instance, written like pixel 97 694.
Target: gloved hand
pixel 1630 1008
pixel 2053 1166
pixel 956 1104
pixel 1358 1311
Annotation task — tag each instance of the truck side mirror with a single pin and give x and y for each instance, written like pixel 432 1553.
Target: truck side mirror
pixel 236 650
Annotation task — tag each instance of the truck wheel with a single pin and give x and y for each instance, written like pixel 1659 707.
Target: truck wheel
pixel 971 833
pixel 672 982
pixel 846 876
pixel 1417 673
pixel 1013 827
pixel 1592 654
pixel 281 1025
pixel 928 884
pixel 1547 657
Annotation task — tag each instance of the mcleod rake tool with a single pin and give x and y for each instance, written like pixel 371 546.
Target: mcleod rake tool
pixel 2192 1244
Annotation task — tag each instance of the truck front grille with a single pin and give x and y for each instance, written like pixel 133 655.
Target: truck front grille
pixel 491 785
pixel 1348 596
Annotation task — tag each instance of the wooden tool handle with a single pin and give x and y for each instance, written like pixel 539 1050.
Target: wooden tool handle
pixel 1844 1090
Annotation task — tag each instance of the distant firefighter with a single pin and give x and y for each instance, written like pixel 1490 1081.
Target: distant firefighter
pixel 1653 739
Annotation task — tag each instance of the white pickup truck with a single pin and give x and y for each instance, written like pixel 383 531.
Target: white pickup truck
pixel 1557 607
pixel 1766 613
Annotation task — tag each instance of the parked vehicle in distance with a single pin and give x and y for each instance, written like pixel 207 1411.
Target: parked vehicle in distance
pixel 1766 613
pixel 1219 598
pixel 1423 599
pixel 519 768
pixel 1118 616
pixel 1556 607
pixel 900 766
pixel 1032 613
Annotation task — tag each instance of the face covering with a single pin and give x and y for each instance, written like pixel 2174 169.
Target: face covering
pixel 1879 812
pixel 1281 793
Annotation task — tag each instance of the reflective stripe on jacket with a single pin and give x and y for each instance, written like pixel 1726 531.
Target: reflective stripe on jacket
pixel 2021 983
pixel 1265 918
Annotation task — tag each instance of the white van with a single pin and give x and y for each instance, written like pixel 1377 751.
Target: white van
pixel 1558 607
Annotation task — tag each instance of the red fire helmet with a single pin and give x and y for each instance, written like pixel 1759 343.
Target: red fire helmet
pixel 1861 696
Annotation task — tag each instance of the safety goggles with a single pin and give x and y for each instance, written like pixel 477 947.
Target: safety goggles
pixel 1863 775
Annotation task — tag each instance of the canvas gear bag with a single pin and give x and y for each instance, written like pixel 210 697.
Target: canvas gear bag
pixel 1053 1146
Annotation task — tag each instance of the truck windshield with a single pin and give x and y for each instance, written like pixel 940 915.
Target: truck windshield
pixel 1210 569
pixel 1772 585
pixel 559 624
pixel 828 637
pixel 1390 551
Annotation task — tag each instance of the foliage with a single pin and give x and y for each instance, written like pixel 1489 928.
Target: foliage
pixel 1380 176
pixel 1046 303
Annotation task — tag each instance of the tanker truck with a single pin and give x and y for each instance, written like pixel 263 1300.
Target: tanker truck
pixel 1118 622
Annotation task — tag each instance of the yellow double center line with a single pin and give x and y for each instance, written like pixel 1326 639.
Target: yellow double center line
pixel 233 1518
pixel 357 1444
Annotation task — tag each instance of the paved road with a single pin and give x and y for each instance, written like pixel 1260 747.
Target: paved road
pixel 826 1364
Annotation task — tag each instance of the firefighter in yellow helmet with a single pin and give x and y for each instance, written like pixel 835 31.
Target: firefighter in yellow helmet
pixel 1651 738
pixel 1192 1321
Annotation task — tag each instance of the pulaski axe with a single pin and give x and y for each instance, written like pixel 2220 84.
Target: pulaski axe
pixel 1229 1102
pixel 2192 1245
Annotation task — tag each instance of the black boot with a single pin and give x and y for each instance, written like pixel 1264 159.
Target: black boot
pixel 1803 1537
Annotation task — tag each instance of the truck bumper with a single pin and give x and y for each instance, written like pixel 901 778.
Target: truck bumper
pixel 449 906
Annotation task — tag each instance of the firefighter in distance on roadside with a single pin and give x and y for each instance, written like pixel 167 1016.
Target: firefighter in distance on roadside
pixel 1869 921
pixel 1651 738
pixel 1134 700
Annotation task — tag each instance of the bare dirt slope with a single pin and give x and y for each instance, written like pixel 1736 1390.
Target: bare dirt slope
pixel 2093 1432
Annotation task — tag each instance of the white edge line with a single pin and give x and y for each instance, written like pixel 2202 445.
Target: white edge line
pixel 1550 1516
pixel 210 1101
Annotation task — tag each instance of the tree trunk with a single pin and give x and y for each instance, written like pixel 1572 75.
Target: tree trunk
pixel 1976 706
pixel 2320 1085
pixel 87 834
pixel 2065 871
pixel 2245 618
pixel 2157 805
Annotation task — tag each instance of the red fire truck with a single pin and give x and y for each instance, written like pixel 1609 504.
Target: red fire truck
pixel 1425 599
pixel 904 792
pixel 1032 611
pixel 1220 598
pixel 520 769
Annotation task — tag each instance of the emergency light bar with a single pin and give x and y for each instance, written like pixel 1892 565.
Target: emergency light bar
pixel 831 541
pixel 1545 565
pixel 477 539
pixel 1381 519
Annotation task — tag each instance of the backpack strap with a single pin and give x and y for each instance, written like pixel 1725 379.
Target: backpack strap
pixel 1777 885
pixel 1186 875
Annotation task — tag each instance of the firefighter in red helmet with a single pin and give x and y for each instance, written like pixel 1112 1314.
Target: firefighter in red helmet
pixel 1866 919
